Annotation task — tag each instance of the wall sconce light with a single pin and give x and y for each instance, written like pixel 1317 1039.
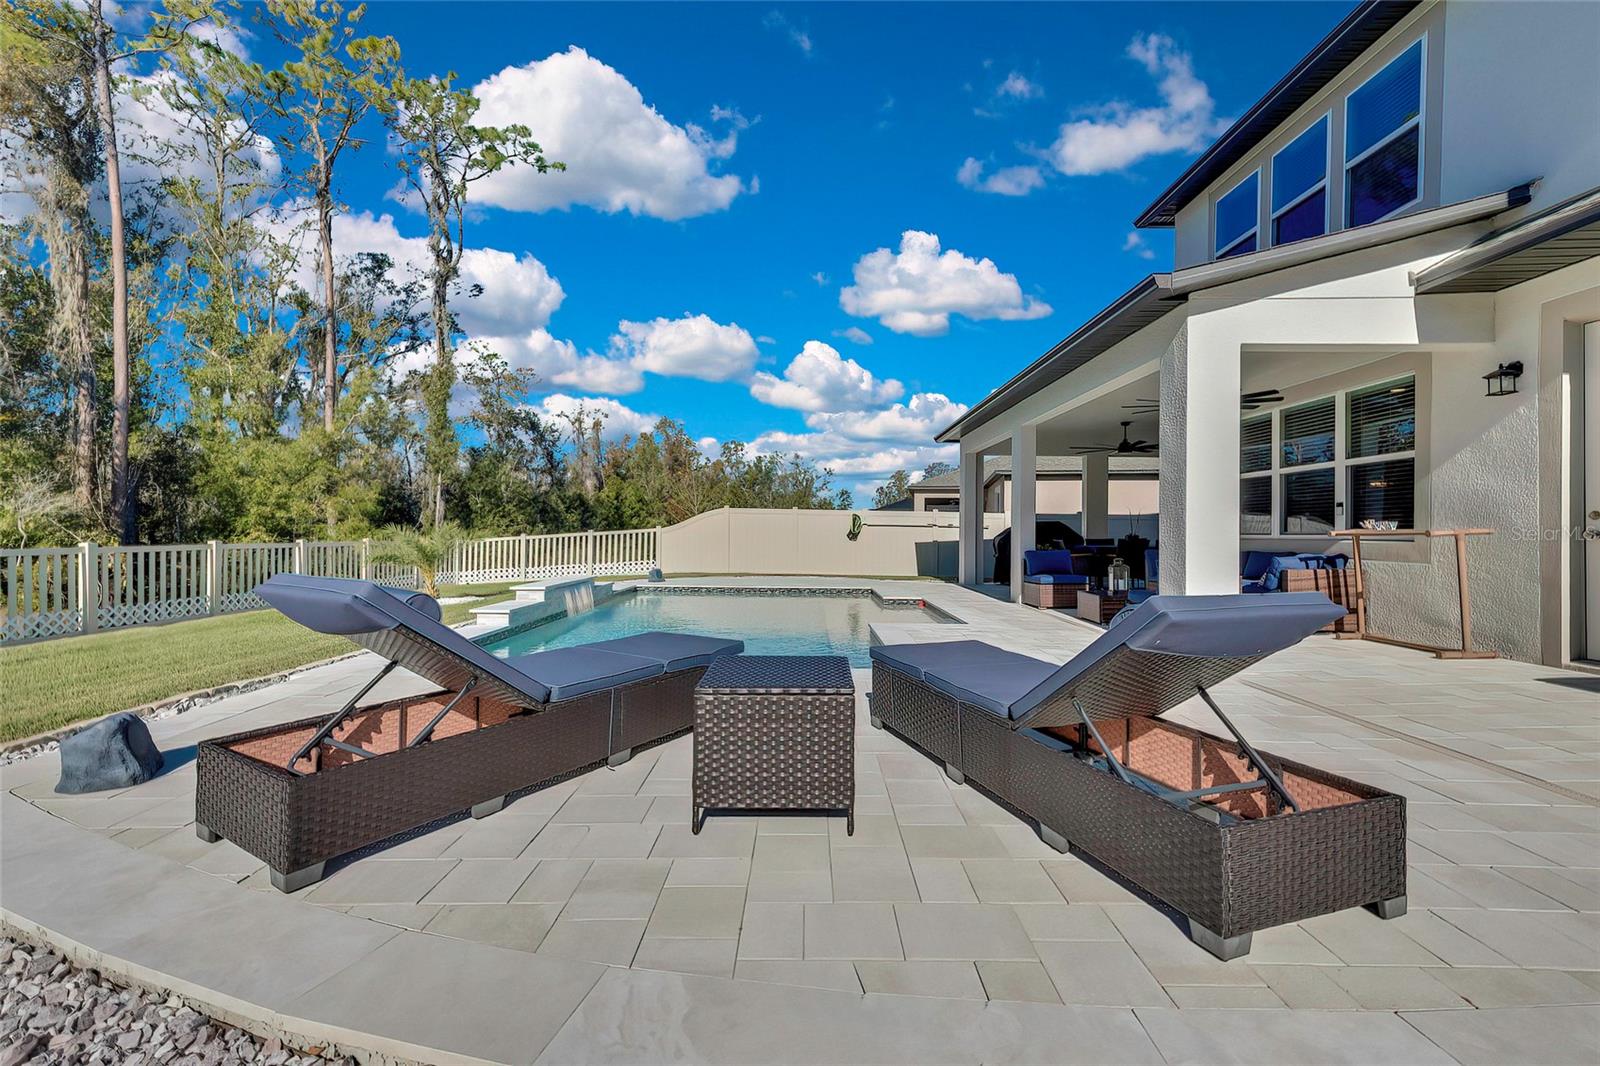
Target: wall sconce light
pixel 1502 380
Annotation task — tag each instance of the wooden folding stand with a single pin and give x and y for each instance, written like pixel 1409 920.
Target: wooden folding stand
pixel 1466 650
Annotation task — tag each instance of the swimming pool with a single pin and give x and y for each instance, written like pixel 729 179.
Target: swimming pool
pixel 768 623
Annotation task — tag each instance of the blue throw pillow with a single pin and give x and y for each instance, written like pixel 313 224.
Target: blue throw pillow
pixel 1271 580
pixel 1046 562
pixel 1254 565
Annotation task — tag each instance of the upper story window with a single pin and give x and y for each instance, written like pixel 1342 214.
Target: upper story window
pixel 1383 141
pixel 1238 214
pixel 1300 186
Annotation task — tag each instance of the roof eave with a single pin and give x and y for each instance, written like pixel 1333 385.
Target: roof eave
pixel 1374 18
pixel 1151 287
pixel 1574 213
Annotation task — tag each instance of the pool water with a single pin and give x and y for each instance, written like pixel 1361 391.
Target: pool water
pixel 768 625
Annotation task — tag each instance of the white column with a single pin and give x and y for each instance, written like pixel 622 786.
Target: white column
pixel 1200 462
pixel 1096 495
pixel 970 520
pixel 1024 496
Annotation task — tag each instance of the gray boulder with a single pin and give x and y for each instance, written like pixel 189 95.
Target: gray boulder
pixel 115 752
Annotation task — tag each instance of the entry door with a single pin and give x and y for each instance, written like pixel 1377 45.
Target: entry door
pixel 1591 484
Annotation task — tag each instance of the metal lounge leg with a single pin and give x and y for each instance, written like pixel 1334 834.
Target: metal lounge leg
pixel 1223 947
pixel 297 879
pixel 1388 908
pixel 1054 839
pixel 617 758
pixel 877 723
pixel 205 833
pixel 955 775
pixel 488 807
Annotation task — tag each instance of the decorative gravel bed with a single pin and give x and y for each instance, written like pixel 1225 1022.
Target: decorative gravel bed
pixel 53 1012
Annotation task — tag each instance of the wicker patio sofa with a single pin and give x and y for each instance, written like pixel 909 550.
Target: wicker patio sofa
pixel 1049 580
pixel 1234 838
pixel 299 794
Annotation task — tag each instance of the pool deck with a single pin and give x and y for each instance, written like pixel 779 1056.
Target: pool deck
pixel 584 923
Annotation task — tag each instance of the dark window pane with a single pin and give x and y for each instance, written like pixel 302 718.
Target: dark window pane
pixel 1383 418
pixel 1308 433
pixel 1308 501
pixel 1308 218
pixel 1255 506
pixel 1382 494
pixel 1388 100
pixel 1255 444
pixel 1300 165
pixel 1237 211
pixel 1244 247
pixel 1382 182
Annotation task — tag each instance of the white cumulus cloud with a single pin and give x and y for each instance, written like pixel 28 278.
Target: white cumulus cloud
pixel 851 459
pixel 693 346
pixel 620 153
pixel 1119 134
pixel 854 334
pixel 918 288
pixel 1134 242
pixel 820 379
pixel 1007 181
pixel 1019 87
pixel 915 421
pixel 620 419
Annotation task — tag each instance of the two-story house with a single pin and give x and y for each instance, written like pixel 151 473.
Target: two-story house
pixel 1415 205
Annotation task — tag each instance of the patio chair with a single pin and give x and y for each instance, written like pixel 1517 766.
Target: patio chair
pixel 1049 580
pixel 299 794
pixel 1234 838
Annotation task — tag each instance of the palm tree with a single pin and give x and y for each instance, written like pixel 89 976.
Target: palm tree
pixel 428 551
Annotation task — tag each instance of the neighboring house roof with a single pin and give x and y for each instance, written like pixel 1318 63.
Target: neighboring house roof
pixel 1558 237
pixel 1354 35
pixel 1158 294
pixel 1062 465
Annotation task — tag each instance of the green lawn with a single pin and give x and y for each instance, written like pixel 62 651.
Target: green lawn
pixel 54 683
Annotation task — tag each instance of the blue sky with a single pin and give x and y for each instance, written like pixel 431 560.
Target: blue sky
pixel 788 146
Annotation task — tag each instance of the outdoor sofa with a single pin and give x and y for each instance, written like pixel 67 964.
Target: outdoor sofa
pixel 1233 838
pixel 299 794
pixel 1049 580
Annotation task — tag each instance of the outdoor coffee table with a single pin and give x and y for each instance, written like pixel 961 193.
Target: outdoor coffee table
pixel 775 732
pixel 1100 607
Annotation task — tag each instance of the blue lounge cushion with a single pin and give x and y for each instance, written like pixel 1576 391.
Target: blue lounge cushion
pixel 1041 561
pixel 674 651
pixel 1217 627
pixel 1254 588
pixel 401 626
pixel 1057 579
pixel 1271 580
pixel 571 672
pixel 914 659
pixel 1152 564
pixel 992 679
pixel 1253 564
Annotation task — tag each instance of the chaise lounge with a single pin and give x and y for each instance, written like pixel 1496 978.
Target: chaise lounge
pixel 299 794
pixel 1234 838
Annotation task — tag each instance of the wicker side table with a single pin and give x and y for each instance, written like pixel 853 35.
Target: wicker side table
pixel 775 732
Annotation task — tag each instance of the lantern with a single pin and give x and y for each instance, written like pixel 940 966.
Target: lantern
pixel 1119 578
pixel 1502 380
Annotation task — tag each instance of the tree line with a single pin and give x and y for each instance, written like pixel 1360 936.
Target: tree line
pixel 168 373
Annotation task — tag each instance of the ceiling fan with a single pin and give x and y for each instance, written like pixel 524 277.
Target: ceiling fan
pixel 1125 447
pixel 1248 401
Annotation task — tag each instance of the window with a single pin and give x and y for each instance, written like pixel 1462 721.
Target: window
pixel 1300 186
pixel 1342 460
pixel 1308 433
pixel 1308 502
pixel 1383 141
pixel 1237 214
pixel 1255 493
pixel 1383 422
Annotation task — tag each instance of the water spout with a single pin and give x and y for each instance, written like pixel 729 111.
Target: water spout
pixel 578 597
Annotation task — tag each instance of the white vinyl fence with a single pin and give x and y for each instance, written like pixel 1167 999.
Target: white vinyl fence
pixel 58 592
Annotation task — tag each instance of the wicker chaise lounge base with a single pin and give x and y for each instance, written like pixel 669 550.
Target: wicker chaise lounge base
pixel 300 794
pixel 483 751
pixel 1234 838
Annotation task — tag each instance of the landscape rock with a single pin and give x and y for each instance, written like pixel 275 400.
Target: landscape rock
pixel 115 752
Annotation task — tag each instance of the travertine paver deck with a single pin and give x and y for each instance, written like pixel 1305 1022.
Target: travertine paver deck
pixel 944 930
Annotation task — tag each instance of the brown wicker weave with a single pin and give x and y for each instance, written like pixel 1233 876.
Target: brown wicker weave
pixel 1345 848
pixel 775 732
pixel 1049 597
pixel 482 753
